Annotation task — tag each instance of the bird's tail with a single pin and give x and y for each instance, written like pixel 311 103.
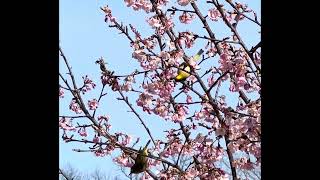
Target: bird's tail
pixel 145 147
pixel 198 55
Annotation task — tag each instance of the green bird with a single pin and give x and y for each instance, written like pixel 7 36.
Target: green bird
pixel 185 73
pixel 141 161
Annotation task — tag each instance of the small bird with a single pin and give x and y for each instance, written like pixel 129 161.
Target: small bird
pixel 183 75
pixel 141 161
pixel 102 64
pixel 103 67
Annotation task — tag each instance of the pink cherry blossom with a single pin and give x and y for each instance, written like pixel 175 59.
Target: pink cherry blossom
pixel 61 93
pixel 100 153
pixel 193 63
pixel 96 139
pixel 168 24
pixel 180 115
pixel 104 118
pixel 183 2
pixel 149 43
pixel 211 80
pixel 146 176
pixel 154 22
pixel 108 13
pixel 173 149
pixel 230 18
pixel 160 88
pixel 243 163
pixel 146 6
pixel 186 18
pixel 191 174
pixel 186 38
pixel 108 149
pixel 160 108
pixel 144 100
pixel 163 2
pixel 166 90
pixel 214 14
pixel 139 4
pixel 123 160
pixel 104 79
pixel 126 86
pixel 192 78
pixel 233 146
pixel 140 55
pixel 199 115
pixel 226 62
pixel 158 53
pixel 212 51
pixel 236 16
pixel 88 84
pixel 129 2
pixel 93 104
pixel 82 132
pixel 66 124
pixel 241 81
pixel 189 99
pixel 176 58
pixel 164 55
pixel 126 140
pixel 74 106
pixel 153 63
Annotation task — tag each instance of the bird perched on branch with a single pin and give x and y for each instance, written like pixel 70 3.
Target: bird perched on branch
pixel 103 67
pixel 185 73
pixel 141 161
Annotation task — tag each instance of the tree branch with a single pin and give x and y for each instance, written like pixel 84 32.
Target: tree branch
pixel 64 175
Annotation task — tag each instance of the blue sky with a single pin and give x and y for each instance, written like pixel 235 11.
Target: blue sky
pixel 84 37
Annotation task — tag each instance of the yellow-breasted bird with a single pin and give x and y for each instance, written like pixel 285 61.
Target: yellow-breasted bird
pixel 183 75
pixel 141 161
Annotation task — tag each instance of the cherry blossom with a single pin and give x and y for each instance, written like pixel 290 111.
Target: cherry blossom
pixel 123 160
pixel 75 107
pixel 183 2
pixel 88 84
pixel 186 18
pixel 66 124
pixel 61 93
pixel 186 38
pixel 82 132
pixel 154 22
pixel 93 104
pixel 204 126
pixel 214 14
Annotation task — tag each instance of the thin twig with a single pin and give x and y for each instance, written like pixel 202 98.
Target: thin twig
pixel 73 117
pixel 218 80
pixel 64 175
pixel 234 7
pixel 125 99
pixel 100 96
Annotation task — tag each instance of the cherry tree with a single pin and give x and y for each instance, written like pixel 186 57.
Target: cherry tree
pixel 207 136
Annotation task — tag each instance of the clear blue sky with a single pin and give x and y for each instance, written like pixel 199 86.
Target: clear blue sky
pixel 85 37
